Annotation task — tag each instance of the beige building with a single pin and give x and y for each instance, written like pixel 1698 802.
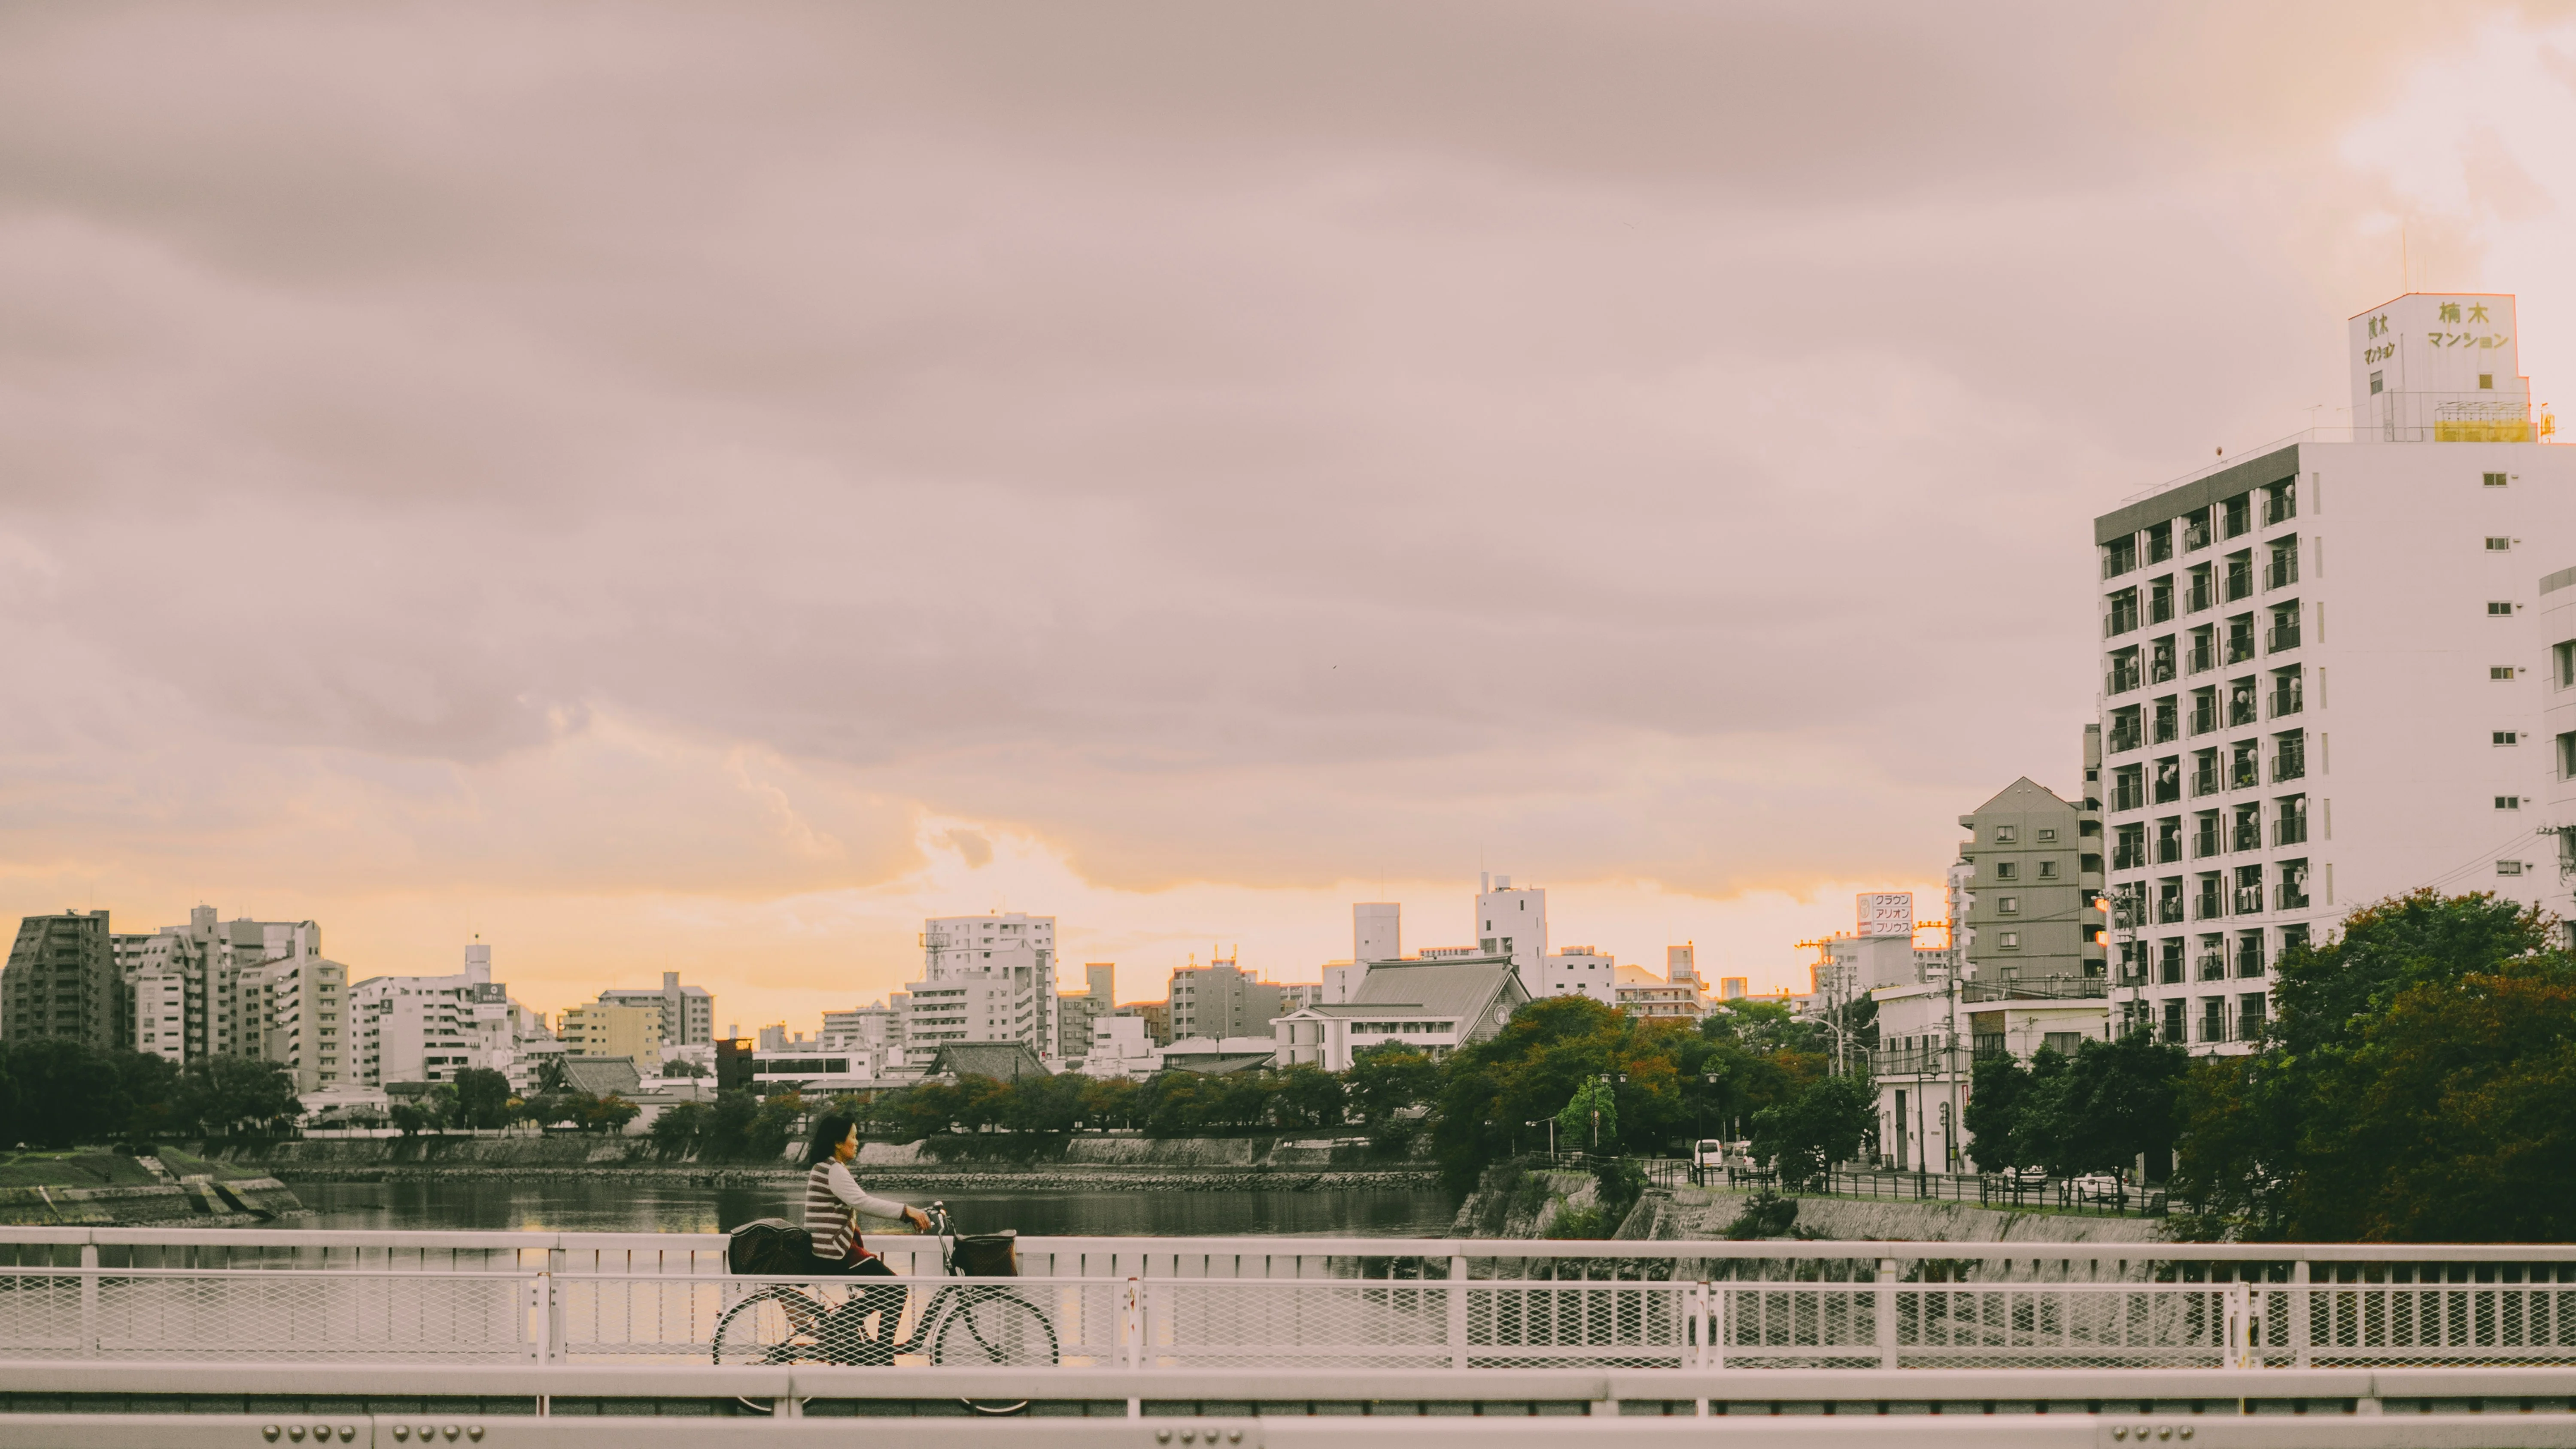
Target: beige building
pixel 603 1029
pixel 2037 869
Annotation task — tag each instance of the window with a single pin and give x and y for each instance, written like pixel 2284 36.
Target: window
pixel 2500 671
pixel 2047 832
pixel 2499 545
pixel 2567 758
pixel 2007 870
pixel 2508 867
pixel 2495 480
pixel 2499 609
pixel 2008 940
pixel 2508 802
pixel 2508 737
pixel 2003 835
pixel 2564 657
pixel 2374 384
pixel 2048 870
pixel 2008 905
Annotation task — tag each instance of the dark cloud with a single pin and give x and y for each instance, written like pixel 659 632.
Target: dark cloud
pixel 1253 442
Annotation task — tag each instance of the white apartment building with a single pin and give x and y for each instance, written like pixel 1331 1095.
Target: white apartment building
pixel 1513 923
pixel 987 978
pixel 1579 971
pixel 2557 610
pixel 1435 1003
pixel 429 1028
pixel 2323 670
pixel 215 972
pixel 1377 934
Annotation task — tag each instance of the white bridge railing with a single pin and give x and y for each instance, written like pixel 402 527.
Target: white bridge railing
pixel 1144 1304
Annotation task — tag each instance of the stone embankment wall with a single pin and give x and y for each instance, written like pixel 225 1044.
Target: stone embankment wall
pixel 1185 1163
pixel 1702 1214
pixel 1525 1204
pixel 144 1191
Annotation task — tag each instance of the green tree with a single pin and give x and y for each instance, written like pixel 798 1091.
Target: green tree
pixel 1999 1093
pixel 63 1094
pixel 1589 1120
pixel 220 1095
pixel 2114 1103
pixel 1822 1127
pixel 1309 1096
pixel 729 1124
pixel 2451 1117
pixel 482 1098
pixel 1388 1078
pixel 1109 1102
pixel 681 1129
pixel 609 1114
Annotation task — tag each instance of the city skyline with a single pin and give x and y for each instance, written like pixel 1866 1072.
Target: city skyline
pixel 853 469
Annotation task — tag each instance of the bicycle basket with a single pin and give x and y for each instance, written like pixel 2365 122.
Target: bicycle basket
pixel 769 1248
pixel 988 1255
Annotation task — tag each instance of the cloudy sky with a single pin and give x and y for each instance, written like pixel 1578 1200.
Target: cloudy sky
pixel 702 487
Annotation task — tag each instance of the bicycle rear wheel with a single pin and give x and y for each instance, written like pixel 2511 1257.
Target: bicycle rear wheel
pixel 775 1325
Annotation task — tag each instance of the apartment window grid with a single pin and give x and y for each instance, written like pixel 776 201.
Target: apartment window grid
pixel 2242 777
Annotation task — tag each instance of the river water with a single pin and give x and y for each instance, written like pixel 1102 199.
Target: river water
pixel 607 1204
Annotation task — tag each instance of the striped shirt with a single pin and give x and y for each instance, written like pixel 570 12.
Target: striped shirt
pixel 832 1201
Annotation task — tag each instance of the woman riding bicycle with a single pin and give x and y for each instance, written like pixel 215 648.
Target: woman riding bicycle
pixel 833 1201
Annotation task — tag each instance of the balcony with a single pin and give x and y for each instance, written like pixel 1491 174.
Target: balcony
pixel 2210 904
pixel 2204 841
pixel 2238 515
pixel 2160 606
pixel 2200 596
pixel 2280 504
pixel 2169 848
pixel 2203 656
pixel 2249 956
pixel 2240 644
pixel 2291 829
pixel 2213 967
pixel 2248 834
pixel 2245 772
pixel 2169 907
pixel 2123 676
pixel 2249 899
pixel 2288 697
pixel 2126 735
pixel 2291 763
pixel 2204 716
pixel 2283 635
pixel 2040 988
pixel 2122 618
pixel 2240 579
pixel 2240 708
pixel 2195 532
pixel 2130 855
pixel 2129 793
pixel 2291 895
pixel 2281 572
pixel 2160 662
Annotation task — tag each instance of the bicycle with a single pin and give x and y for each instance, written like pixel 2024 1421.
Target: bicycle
pixel 974 1323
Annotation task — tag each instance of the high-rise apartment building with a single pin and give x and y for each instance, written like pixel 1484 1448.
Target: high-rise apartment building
pixel 2323 671
pixel 62 981
pixel 1579 971
pixel 1221 1000
pixel 2036 859
pixel 1077 1010
pixel 688 1012
pixel 429 1028
pixel 987 978
pixel 219 975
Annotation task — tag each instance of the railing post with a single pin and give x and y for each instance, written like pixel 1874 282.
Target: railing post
pixel 1715 1351
pixel 1887 1313
pixel 2239 1321
pixel 1135 1323
pixel 539 1307
pixel 2299 1301
pixel 1457 1311
pixel 89 1301
pixel 554 1338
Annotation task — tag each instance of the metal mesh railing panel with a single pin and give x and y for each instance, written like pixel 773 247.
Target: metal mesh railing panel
pixel 267 1316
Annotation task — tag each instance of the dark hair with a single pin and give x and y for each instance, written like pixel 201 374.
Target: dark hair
pixel 829 1131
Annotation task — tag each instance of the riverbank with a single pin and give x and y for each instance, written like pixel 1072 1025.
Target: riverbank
pixel 1512 1203
pixel 117 1189
pixel 1178 1164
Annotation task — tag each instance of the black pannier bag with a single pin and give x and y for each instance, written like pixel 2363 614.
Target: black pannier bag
pixel 769 1248
pixel 988 1255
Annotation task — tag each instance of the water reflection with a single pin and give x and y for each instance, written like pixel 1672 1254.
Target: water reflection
pixel 610 1204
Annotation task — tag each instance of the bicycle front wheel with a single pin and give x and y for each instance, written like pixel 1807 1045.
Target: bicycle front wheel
pixel 994 1329
pixel 775 1325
